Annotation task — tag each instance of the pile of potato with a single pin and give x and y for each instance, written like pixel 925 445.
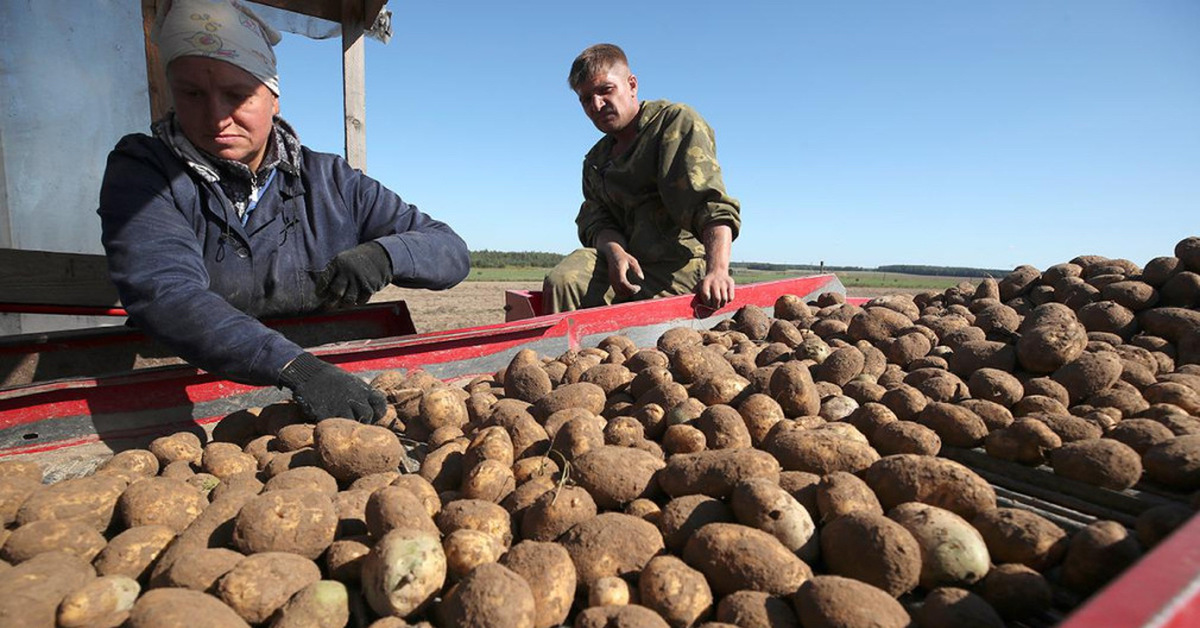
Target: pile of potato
pixel 772 471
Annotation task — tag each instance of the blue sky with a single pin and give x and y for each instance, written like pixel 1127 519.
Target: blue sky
pixel 986 134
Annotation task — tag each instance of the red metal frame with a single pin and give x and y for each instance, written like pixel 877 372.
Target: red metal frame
pixel 62 413
pixel 1162 590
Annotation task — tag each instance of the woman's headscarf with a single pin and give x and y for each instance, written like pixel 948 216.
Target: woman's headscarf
pixel 218 29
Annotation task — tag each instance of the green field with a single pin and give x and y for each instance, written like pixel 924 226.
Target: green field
pixel 856 279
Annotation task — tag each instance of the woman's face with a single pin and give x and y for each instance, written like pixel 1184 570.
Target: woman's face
pixel 223 109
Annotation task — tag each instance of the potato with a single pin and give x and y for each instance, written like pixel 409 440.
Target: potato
pixel 349 450
pixel 490 480
pixel 683 439
pixel 280 462
pixel 841 493
pixel 310 478
pixel 344 559
pixel 397 507
pixel 905 437
pixel 609 591
pixel 294 520
pixel 971 355
pixel 626 615
pixel 403 572
pixel 555 511
pixel 14 490
pixel 1016 591
pixel 34 588
pixel 755 608
pixel 760 503
pixel 715 473
pixel 723 428
pixel 735 557
pixel 1157 523
pixel 323 604
pixel 1176 394
pixel 934 481
pixel 1175 463
pixel 1050 337
pixel 1089 374
pixel 548 570
pixel 200 568
pixel 225 459
pixel 873 549
pixel 949 607
pixel 1140 434
pixel 792 386
pixel 1027 441
pixel 1099 462
pixel 610 544
pixel 994 415
pixel 675 591
pixel 818 451
pixel 441 407
pixel 177 446
pixel 869 417
pixel 91 499
pixel 682 516
pixel 615 476
pixel 37 537
pixel 952 552
pixel 443 467
pixel 26 469
pixel 296 436
pixel 160 501
pixel 101 603
pixel 467 549
pixel 181 607
pixel 132 464
pixel 475 514
pixel 213 528
pixel 1022 537
pixel 904 401
pixel 1096 554
pixel 579 395
pixel 833 601
pixel 955 425
pixel 132 552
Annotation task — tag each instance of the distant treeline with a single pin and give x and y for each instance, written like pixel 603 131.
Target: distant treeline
pixel 505 259
pixel 949 271
pixel 539 259
pixel 907 269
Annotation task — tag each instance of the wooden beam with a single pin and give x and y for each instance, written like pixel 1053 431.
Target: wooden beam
pixel 331 10
pixel 354 100
pixel 156 75
pixel 49 278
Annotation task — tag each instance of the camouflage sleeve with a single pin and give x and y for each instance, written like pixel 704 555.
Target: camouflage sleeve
pixel 689 177
pixel 594 216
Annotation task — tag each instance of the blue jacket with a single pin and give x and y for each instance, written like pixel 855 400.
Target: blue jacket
pixel 192 276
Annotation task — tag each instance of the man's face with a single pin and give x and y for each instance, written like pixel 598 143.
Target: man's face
pixel 610 99
pixel 222 109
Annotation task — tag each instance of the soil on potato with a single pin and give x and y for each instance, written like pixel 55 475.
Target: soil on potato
pixel 476 303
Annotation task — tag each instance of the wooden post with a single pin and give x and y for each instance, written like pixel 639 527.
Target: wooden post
pixel 156 75
pixel 354 101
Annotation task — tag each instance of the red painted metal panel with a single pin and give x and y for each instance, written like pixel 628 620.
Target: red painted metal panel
pixel 184 391
pixel 1162 590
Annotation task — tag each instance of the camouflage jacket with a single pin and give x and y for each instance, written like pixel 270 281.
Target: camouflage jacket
pixel 660 193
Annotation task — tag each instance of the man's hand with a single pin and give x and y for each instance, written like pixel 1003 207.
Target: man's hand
pixel 620 263
pixel 354 275
pixel 716 289
pixel 323 390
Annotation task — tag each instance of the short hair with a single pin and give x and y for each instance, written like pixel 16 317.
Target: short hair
pixel 594 60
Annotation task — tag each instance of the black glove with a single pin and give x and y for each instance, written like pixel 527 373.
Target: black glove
pixel 324 390
pixel 353 275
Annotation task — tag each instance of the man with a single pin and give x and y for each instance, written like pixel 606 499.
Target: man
pixel 222 216
pixel 655 218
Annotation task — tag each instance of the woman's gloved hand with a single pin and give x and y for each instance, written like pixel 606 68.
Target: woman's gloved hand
pixel 323 391
pixel 353 275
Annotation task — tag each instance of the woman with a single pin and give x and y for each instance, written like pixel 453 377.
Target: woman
pixel 223 216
